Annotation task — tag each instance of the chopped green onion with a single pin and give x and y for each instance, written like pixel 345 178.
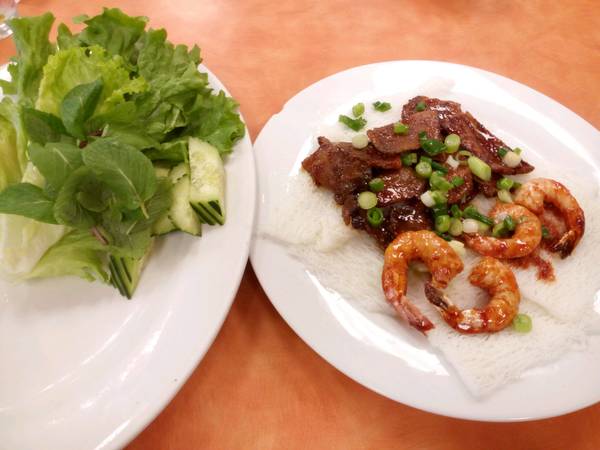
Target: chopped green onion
pixel 376 185
pixel 479 168
pixel 423 169
pixel 439 167
pixel 439 210
pixel 421 106
pixel 509 223
pixel 517 150
pixel 452 162
pixel 431 146
pixel 505 183
pixel 439 197
pixel 499 230
pixel 400 128
pixel 462 156
pixel 483 227
pixel 456 227
pixel 444 236
pixel 455 211
pixel 437 181
pixel 470 226
pixel 382 106
pixel 408 159
pixel 442 223
pixel 511 159
pixel 375 217
pixel 502 151
pixel 426 159
pixel 545 232
pixel 354 124
pixel 360 141
pixel 427 199
pixel 458 181
pixel 504 196
pixel 367 200
pixel 358 109
pixel 471 212
pixel 516 185
pixel 522 323
pixel 452 142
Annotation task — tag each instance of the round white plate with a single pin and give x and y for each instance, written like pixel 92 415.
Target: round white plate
pixel 83 368
pixel 400 364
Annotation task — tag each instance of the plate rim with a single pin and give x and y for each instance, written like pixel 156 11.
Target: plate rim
pixel 279 306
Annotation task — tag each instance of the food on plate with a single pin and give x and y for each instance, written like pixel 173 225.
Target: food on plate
pixel 110 138
pixel 414 186
pixel 499 281
pixel 439 257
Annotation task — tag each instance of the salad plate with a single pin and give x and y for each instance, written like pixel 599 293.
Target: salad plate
pixel 383 354
pixel 83 367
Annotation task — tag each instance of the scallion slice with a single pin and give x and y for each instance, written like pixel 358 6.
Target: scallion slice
pixel 458 181
pixel 471 212
pixel 452 142
pixel 376 185
pixel 421 106
pixel 367 200
pixel 504 196
pixel 522 323
pixel 408 159
pixel 400 128
pixel 358 109
pixel 479 168
pixel 381 106
pixel 423 169
pixel 354 124
pixel 375 217
pixel 442 223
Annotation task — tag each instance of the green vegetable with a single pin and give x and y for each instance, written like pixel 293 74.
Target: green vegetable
pixel 439 209
pixel 79 105
pixel 456 227
pixel 499 230
pixel 502 151
pixel 42 127
pixel 439 167
pixel 400 128
pixel 517 150
pixel 28 200
pixel 421 106
pixel 375 217
pixel 470 212
pixel 505 183
pixel 376 185
pixel 458 181
pixel 354 124
pixel 455 211
pixel 504 196
pixel 207 182
pixel 522 323
pixel 452 142
pixel 438 181
pixel 10 170
pixel 367 200
pixel 442 223
pixel 463 156
pixel 439 197
pixel 358 109
pixel 431 146
pixel 423 169
pixel 545 232
pixel 381 106
pixel 408 159
pixel 479 168
pixel 55 161
pixel 509 223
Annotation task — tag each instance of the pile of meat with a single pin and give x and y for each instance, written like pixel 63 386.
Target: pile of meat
pixel 346 171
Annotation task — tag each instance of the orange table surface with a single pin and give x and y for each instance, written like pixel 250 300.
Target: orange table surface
pixel 260 386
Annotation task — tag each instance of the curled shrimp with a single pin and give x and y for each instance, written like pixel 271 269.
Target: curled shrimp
pixel 441 260
pixel 535 193
pixel 499 281
pixel 525 239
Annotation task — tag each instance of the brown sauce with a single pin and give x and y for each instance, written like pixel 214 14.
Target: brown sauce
pixel 545 269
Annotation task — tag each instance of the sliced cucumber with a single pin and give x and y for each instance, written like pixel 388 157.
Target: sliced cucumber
pixel 161 171
pixel 163 225
pixel 178 171
pixel 125 272
pixel 181 213
pixel 207 189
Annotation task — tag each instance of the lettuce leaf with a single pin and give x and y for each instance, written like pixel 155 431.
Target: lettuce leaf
pixel 10 169
pixel 77 253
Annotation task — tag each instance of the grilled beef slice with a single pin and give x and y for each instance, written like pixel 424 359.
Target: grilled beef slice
pixel 386 141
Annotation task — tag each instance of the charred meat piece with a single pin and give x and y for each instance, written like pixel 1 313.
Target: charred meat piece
pixel 487 188
pixel 341 168
pixel 386 141
pixel 464 192
pixel 400 185
pixel 408 215
pixel 473 135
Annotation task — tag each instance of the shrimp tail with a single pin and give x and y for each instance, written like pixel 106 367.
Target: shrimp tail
pixel 437 297
pixel 566 244
pixel 413 315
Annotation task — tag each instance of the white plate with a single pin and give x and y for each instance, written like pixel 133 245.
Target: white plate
pixel 83 368
pixel 400 364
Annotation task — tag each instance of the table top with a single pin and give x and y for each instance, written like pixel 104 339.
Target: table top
pixel 260 386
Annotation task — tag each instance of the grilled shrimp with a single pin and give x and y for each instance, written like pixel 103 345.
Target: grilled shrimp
pixel 525 239
pixel 441 260
pixel 499 281
pixel 535 193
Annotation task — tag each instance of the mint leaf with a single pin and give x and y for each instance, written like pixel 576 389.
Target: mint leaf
pixel 79 105
pixel 55 161
pixel 67 210
pixel 28 200
pixel 157 206
pixel 42 127
pixel 125 170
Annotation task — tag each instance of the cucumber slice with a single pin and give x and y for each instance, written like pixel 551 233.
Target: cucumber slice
pixel 125 272
pixel 178 171
pixel 161 171
pixel 207 189
pixel 181 213
pixel 163 225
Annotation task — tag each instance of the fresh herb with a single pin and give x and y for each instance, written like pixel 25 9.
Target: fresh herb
pixel 381 106
pixel 431 146
pixel 354 124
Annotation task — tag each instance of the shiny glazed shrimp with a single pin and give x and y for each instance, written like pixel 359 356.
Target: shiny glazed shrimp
pixel 525 239
pixel 499 281
pixel 535 193
pixel 441 260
